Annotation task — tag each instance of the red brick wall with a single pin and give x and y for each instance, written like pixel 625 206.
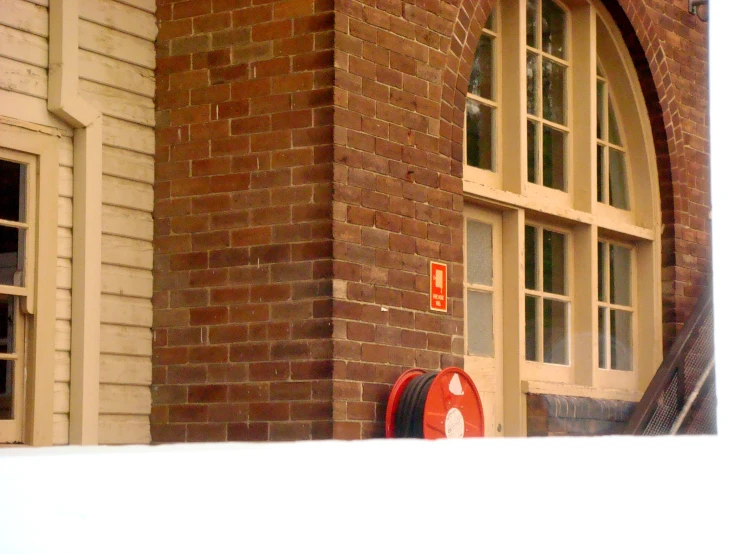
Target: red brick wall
pixel 242 349
pixel 300 141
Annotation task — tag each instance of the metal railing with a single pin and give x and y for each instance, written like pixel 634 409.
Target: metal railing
pixel 681 398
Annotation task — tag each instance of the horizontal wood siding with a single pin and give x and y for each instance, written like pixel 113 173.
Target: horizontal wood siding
pixel 116 65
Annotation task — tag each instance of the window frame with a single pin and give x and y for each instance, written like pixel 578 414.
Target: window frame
pixel 577 212
pixel 36 310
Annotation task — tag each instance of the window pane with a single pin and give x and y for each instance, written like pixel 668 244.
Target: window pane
pixel 479 135
pixel 602 261
pixel 490 23
pixel 555 260
pixel 601 124
pixel 531 253
pixel 6 387
pixel 601 178
pixel 617 186
pixel 532 80
pixel 554 158
pixel 12 191
pixel 553 91
pixel 555 332
pixel 602 338
pixel 7 345
pixel 531 344
pixel 599 70
pixel 620 275
pixel 613 135
pixel 479 253
pixel 11 263
pixel 481 77
pixel 479 323
pixel 531 23
pixel 620 340
pixel 532 139
pixel 553 29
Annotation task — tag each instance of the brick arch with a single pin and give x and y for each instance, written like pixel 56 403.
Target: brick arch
pixel 637 30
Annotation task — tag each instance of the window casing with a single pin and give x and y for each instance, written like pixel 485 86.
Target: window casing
pixel 577 141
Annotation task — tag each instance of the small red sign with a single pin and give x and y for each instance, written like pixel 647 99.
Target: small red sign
pixel 437 294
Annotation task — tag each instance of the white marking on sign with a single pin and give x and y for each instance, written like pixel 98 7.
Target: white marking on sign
pixel 454 424
pixel 439 279
pixel 455 386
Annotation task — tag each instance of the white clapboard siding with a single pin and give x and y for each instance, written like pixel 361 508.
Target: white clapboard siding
pixel 23 107
pixel 63 335
pixel 118 103
pixel 24 78
pixel 114 44
pixel 127 252
pixel 124 222
pixel 23 47
pixel 62 365
pixel 121 310
pixel 146 5
pixel 60 429
pixel 64 212
pixel 125 370
pixel 63 304
pixel 63 273
pixel 61 398
pixel 119 16
pixel 64 243
pixel 25 16
pixel 127 194
pixel 127 281
pixel 107 71
pixel 66 152
pixel 125 399
pixel 66 182
pixel 124 429
pixel 119 339
pixel 128 136
pixel 128 165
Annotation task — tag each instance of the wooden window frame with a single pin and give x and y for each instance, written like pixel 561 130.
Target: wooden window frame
pixel 36 310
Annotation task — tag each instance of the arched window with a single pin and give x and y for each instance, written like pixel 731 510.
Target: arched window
pixel 562 265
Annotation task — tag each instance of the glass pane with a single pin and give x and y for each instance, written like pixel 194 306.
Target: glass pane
pixel 620 340
pixel 602 274
pixel 613 135
pixel 531 253
pixel 599 70
pixel 599 173
pixel 554 159
pixel 490 23
pixel 532 78
pixel 479 253
pixel 532 140
pixel 602 340
pixel 601 124
pixel 7 345
pixel 12 191
pixel 553 91
pixel 553 29
pixel 617 186
pixel 6 388
pixel 554 247
pixel 481 76
pixel 620 275
pixel 479 323
pixel 555 332
pixel 531 23
pixel 531 345
pixel 479 135
pixel 11 263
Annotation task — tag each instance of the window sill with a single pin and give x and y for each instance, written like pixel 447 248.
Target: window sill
pixel 562 389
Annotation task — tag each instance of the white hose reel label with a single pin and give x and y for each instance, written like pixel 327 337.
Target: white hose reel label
pixel 454 424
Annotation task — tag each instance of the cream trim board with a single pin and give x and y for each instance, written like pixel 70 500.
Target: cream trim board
pixel 563 389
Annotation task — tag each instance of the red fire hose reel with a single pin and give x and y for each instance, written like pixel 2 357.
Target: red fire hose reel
pixel 434 405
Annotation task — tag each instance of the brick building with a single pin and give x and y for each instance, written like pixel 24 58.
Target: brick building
pixel 313 157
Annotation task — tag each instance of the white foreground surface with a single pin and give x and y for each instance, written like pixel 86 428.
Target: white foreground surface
pixel 476 495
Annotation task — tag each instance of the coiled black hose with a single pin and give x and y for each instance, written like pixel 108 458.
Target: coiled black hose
pixel 409 416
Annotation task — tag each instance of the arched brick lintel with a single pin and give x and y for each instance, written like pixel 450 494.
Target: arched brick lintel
pixel 636 27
